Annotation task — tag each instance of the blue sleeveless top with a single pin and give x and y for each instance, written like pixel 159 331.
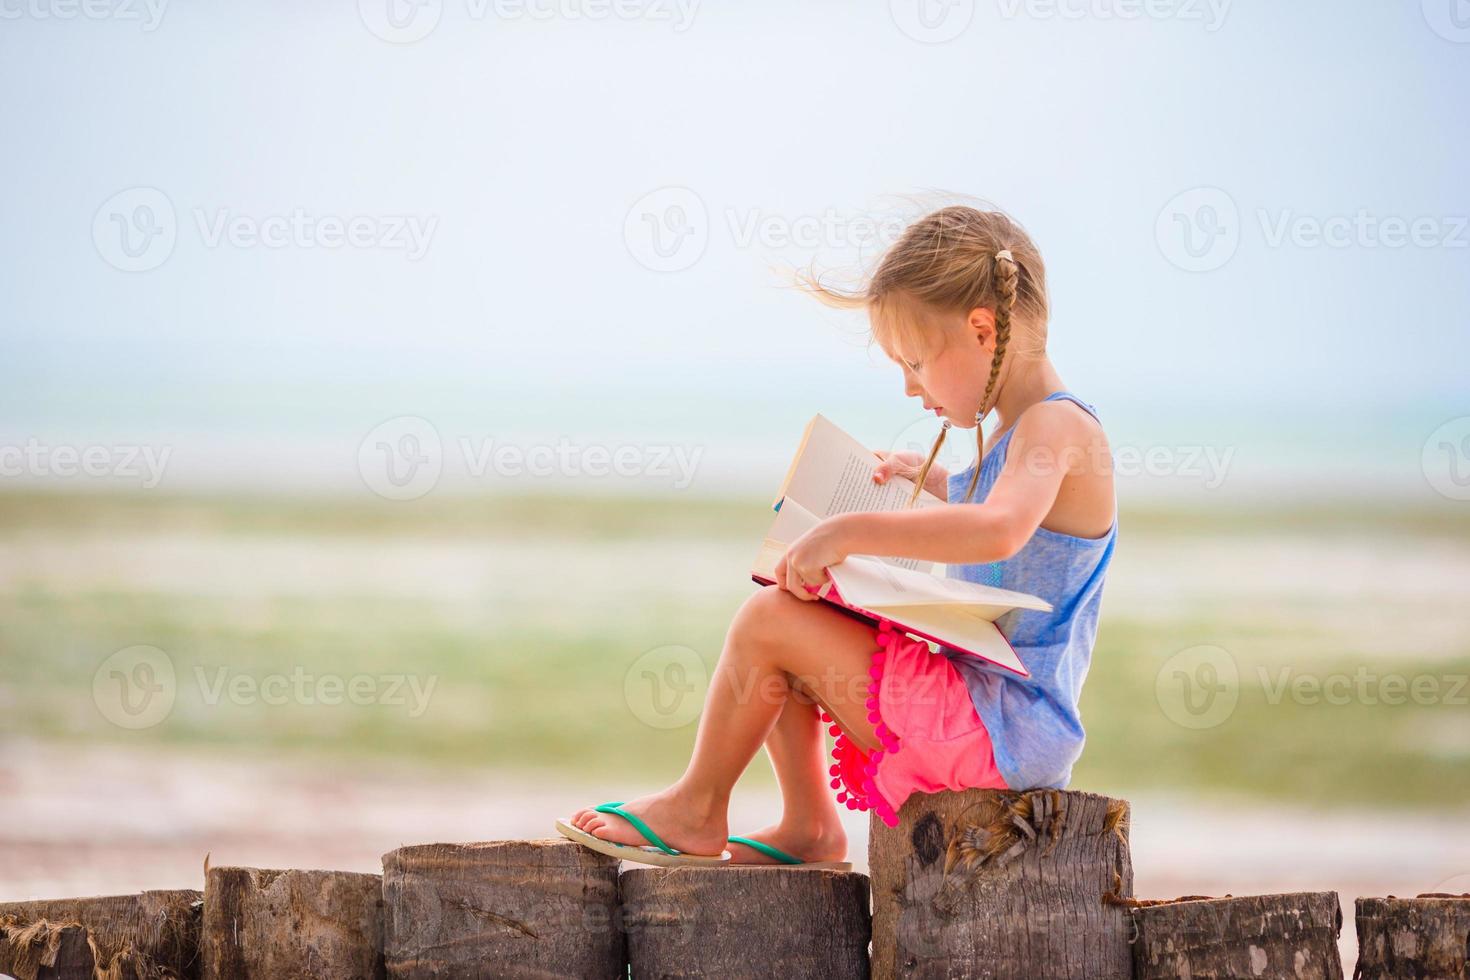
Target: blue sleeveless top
pixel 1034 722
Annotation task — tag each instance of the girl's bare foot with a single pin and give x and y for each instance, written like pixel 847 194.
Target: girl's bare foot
pixel 683 820
pixel 813 842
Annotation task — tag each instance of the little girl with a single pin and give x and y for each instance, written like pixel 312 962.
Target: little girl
pixel 960 304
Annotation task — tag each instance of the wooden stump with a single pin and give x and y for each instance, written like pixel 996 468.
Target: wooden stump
pixel 745 922
pixel 1428 936
pixel 537 908
pixel 1272 937
pixel 46 950
pixel 151 933
pixel 267 924
pixel 1000 883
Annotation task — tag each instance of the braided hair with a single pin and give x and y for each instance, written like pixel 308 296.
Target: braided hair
pixel 1006 276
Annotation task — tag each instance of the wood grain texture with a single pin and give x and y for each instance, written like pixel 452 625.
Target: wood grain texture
pixel 998 883
pixel 1272 937
pixel 537 908
pixel 46 950
pixel 151 933
pixel 263 924
pixel 739 922
pixel 1415 938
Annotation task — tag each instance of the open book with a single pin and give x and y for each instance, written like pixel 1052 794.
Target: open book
pixel 833 474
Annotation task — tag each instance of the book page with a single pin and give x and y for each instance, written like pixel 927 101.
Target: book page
pixel 954 626
pixel 806 435
pixel 765 560
pixel 793 520
pixel 916 601
pixel 833 474
pixel 872 584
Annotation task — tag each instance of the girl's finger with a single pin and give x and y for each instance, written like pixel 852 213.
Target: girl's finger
pixel 789 578
pixel 884 468
pixel 799 585
pixel 815 584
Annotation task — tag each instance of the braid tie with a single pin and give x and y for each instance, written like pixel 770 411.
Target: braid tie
pixel 1007 274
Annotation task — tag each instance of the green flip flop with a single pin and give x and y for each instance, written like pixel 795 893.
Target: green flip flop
pixel 655 852
pixel 770 850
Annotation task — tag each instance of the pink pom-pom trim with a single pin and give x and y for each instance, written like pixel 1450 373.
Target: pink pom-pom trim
pixel 854 770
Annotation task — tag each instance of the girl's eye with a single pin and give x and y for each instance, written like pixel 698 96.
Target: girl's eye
pixel 913 365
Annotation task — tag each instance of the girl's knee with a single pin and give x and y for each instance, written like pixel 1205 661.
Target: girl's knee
pixel 761 619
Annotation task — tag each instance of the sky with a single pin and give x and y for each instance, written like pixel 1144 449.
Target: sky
pixel 264 240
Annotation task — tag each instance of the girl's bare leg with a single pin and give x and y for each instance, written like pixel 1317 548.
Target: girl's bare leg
pixel 809 827
pixel 775 639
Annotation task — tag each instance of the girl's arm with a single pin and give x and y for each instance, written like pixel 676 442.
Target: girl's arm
pixel 1051 441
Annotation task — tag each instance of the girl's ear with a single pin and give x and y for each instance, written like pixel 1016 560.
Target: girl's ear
pixel 982 324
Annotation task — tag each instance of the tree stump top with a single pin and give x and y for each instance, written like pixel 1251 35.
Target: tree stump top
pixel 549 853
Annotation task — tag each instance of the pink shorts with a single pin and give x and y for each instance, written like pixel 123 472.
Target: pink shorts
pixel 933 740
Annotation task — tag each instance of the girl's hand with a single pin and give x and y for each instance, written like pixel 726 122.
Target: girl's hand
pixel 906 464
pixel 805 561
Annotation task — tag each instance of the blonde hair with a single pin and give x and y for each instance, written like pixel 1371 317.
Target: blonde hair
pixel 952 261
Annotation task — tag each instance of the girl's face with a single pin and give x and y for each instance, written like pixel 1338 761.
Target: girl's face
pixel 950 376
